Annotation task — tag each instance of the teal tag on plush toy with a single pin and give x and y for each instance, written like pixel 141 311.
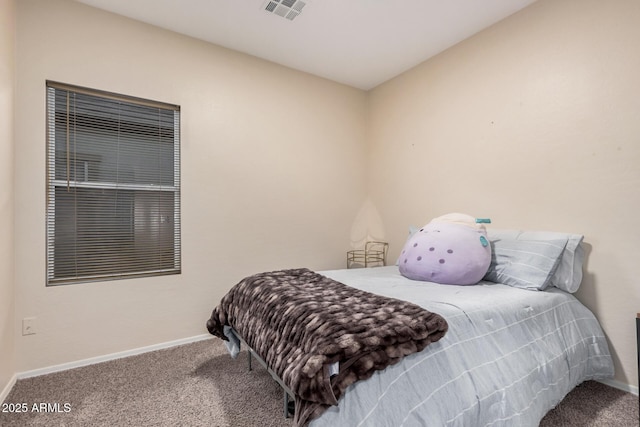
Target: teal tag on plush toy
pixel 484 241
pixel 483 221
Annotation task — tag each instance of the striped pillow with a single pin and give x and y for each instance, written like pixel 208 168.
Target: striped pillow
pixel 526 264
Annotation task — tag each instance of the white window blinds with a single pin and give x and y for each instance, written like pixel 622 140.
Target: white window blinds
pixel 113 181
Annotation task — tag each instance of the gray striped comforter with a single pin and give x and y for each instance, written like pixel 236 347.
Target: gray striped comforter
pixel 510 356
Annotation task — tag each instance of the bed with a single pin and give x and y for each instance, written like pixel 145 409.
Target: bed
pixel 510 354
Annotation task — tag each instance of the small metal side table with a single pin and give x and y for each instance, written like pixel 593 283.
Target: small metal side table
pixel 374 254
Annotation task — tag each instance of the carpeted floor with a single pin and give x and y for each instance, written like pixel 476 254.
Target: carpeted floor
pixel 200 385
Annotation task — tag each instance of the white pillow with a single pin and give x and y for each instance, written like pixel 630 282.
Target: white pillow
pixel 568 275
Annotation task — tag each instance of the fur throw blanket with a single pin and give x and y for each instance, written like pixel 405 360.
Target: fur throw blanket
pixel 301 322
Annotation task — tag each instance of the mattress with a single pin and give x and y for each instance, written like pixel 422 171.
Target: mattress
pixel 510 356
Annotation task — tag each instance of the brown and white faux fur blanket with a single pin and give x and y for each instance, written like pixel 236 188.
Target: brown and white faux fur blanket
pixel 301 322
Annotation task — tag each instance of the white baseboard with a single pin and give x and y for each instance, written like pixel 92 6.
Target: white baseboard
pixel 107 357
pixel 620 386
pixel 8 387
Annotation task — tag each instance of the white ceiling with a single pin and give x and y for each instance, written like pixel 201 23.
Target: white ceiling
pixel 361 43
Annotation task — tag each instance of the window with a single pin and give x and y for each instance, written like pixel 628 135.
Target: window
pixel 113 186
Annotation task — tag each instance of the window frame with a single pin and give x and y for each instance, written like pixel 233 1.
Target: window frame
pixel 52 183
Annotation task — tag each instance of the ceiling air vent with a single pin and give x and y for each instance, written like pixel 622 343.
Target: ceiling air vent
pixel 285 8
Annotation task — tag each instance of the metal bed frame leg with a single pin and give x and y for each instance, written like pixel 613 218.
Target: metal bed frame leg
pixel 285 389
pixel 286 404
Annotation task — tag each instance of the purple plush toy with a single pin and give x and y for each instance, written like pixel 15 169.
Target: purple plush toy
pixel 452 249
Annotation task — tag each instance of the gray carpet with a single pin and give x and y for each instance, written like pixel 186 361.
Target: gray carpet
pixel 200 385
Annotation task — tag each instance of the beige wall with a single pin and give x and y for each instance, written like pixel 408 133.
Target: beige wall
pixel 272 175
pixel 534 123
pixel 7 63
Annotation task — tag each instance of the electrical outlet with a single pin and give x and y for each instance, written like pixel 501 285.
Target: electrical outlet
pixel 28 326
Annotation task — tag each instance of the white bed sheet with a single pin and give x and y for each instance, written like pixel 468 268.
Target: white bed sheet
pixel 510 356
